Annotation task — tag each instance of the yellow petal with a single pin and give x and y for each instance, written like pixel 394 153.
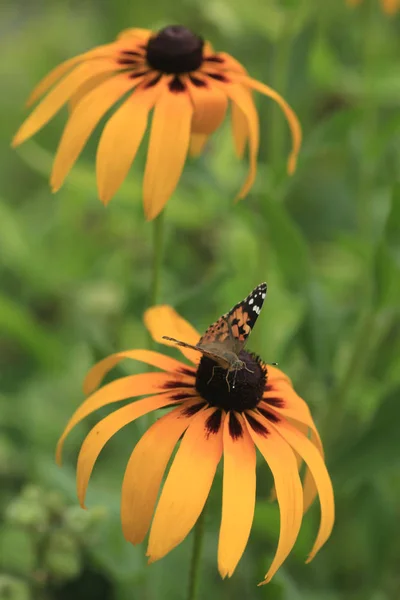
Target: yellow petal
pixel 197 143
pixel 104 431
pixel 164 320
pixel 290 115
pixel 244 102
pixel 209 104
pixel 120 140
pixel 105 51
pixel 83 120
pixel 145 471
pixel 168 148
pixel 187 486
pixel 282 462
pixel 155 359
pixel 239 129
pixel 315 463
pixel 59 95
pixel 238 495
pixel 85 88
pixel 121 389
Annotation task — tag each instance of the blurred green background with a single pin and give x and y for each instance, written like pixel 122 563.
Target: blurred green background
pixel 75 281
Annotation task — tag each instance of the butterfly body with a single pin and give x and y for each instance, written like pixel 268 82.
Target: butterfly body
pixel 223 340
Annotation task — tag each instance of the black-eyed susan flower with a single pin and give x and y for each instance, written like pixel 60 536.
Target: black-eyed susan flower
pixel 178 76
pixel 390 7
pixel 209 420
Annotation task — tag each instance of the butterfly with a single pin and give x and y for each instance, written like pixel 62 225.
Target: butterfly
pixel 224 339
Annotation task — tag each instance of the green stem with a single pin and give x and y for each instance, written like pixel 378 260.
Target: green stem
pixel 158 246
pixel 370 114
pixel 194 575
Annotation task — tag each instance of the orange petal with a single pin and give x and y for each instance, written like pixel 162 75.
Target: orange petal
pixel 230 64
pixel 85 88
pixel 239 130
pixel 82 122
pixel 164 320
pixel 104 431
pixel 275 375
pixel 290 115
pixel 197 143
pixel 209 104
pixel 168 148
pixel 282 462
pixel 145 471
pixel 309 486
pixel 293 407
pixel 58 96
pixel 238 496
pixel 187 486
pixel 315 462
pixel 105 51
pixel 391 6
pixel 121 139
pixel 244 102
pixel 155 359
pixel 121 389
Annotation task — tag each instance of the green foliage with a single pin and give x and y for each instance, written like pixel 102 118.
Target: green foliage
pixel 76 277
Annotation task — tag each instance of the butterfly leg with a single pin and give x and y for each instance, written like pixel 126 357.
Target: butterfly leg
pixel 227 380
pixel 212 374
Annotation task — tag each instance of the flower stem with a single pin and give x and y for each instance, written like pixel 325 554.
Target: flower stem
pixel 196 557
pixel 158 246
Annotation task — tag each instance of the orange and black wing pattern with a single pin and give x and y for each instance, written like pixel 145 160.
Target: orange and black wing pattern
pixel 233 328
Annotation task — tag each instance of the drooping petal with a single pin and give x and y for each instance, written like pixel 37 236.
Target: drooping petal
pixel 238 496
pixel 315 462
pixel 105 51
pixel 121 389
pixel 187 486
pixel 145 471
pixel 104 431
pixel 209 104
pixel 197 143
pixel 168 148
pixel 290 115
pixel 121 139
pixel 164 320
pixel 82 122
pixel 59 95
pixel 282 462
pixel 244 102
pixel 155 359
pixel 239 130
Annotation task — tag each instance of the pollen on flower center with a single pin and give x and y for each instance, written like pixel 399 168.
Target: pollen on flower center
pixel 175 49
pixel 242 391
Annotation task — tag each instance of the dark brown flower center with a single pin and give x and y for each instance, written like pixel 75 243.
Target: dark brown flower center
pixel 175 49
pixel 238 390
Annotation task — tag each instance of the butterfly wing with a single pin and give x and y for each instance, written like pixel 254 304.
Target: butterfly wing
pixel 233 328
pixel 205 351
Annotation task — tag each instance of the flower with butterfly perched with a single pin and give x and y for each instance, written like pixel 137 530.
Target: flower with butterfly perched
pixel 173 72
pixel 390 7
pixel 259 409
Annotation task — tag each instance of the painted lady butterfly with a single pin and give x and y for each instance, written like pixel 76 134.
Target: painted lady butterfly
pixel 224 339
